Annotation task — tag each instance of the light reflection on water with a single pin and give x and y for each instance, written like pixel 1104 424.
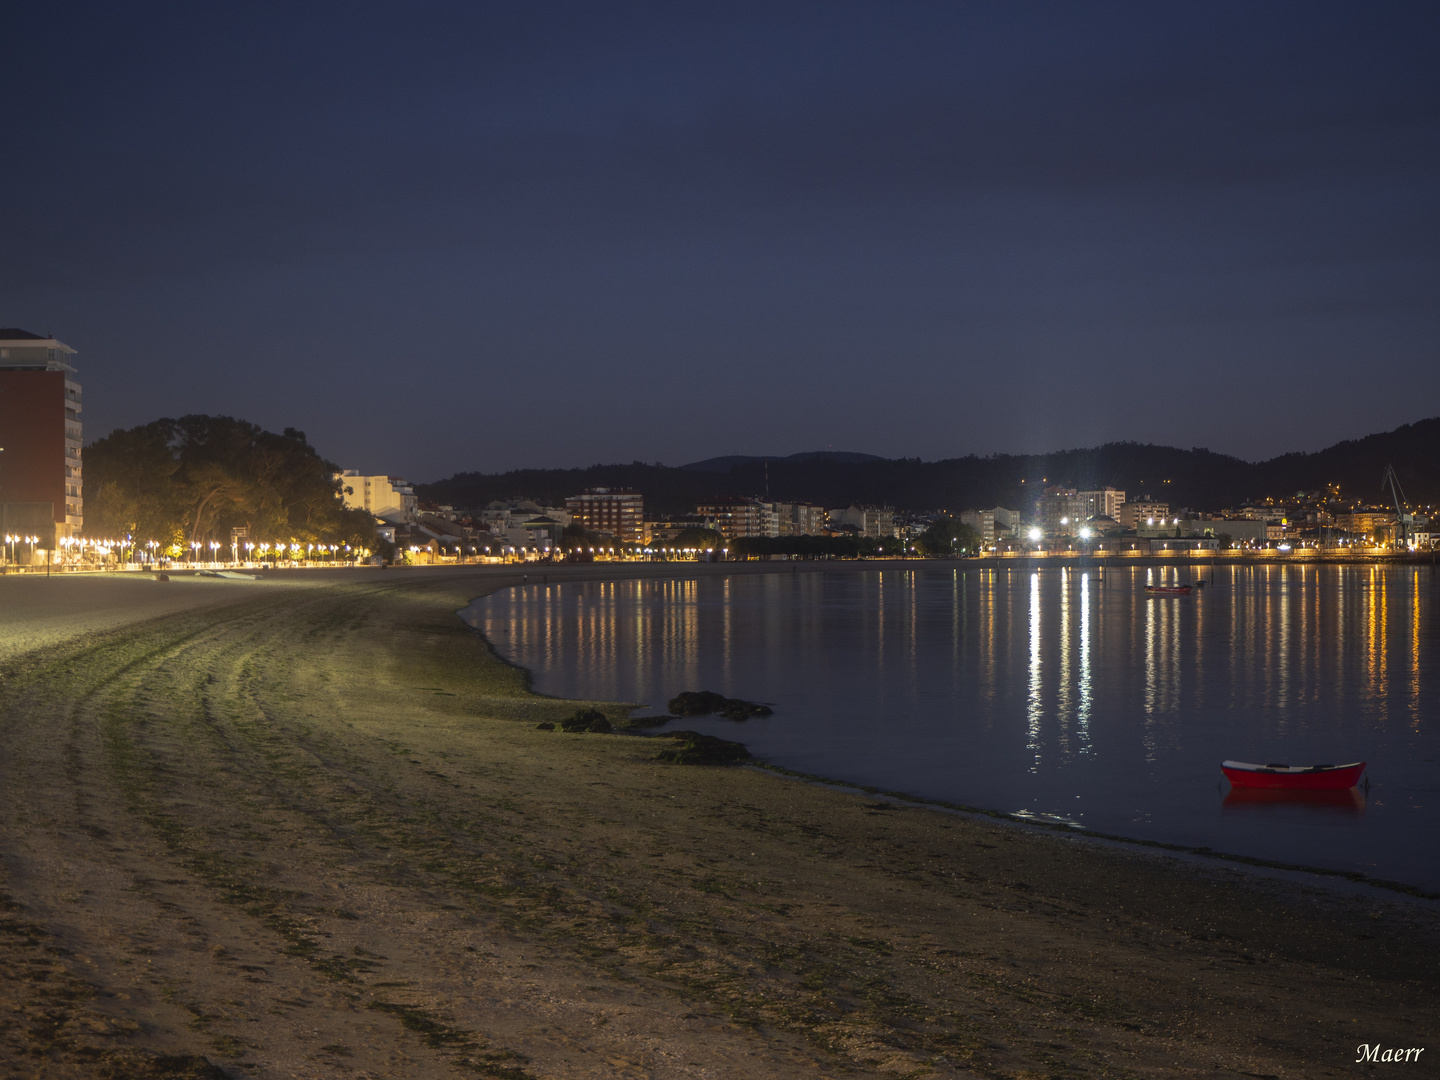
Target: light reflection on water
pixel 1065 693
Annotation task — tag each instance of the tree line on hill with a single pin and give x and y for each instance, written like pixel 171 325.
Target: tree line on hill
pixel 193 480
pixel 1196 478
pixel 945 537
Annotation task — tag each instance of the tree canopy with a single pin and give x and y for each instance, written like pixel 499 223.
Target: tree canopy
pixel 815 547
pixel 948 537
pixel 699 539
pixel 194 479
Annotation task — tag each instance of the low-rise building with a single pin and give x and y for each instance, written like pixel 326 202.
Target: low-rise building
pixel 1162 526
pixel 661 532
pixel 1103 525
pixel 1239 530
pixel 500 517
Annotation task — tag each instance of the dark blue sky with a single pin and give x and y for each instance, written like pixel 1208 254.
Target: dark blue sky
pixel 467 236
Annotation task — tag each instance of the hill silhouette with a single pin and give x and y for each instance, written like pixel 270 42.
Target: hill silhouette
pixel 725 464
pixel 1196 478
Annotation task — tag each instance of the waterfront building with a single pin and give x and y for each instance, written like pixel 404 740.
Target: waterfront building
pixel 1060 511
pixel 876 521
pixel 41 487
pixel 798 519
pixel 1103 525
pixel 1239 530
pixel 737 517
pixel 1373 524
pixel 1137 512
pixel 1103 502
pixel 662 532
pixel 1161 526
pixel 389 498
pixel 617 511
pixel 997 523
pixel 499 517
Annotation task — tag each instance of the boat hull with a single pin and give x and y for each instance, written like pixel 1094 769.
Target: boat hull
pixel 1168 590
pixel 1293 778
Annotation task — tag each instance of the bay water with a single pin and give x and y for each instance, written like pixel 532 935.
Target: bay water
pixel 1066 694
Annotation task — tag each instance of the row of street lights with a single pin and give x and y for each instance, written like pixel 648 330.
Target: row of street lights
pixel 14 540
pixel 72 549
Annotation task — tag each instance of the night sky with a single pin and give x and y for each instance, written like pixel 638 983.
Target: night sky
pixel 443 237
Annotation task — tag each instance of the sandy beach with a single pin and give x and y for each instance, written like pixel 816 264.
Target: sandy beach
pixel 307 826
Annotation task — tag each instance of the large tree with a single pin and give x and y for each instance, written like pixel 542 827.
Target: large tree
pixel 946 536
pixel 194 479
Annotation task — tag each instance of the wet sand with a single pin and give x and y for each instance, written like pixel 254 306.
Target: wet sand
pixel 307 827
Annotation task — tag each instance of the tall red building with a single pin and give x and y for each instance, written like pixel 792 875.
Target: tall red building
pixel 40 436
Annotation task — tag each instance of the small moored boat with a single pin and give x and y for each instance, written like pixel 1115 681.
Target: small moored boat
pixel 1168 590
pixel 1294 777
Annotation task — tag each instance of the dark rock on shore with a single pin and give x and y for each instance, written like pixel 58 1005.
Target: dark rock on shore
pixel 649 721
pixel 706 702
pixel 696 749
pixel 587 720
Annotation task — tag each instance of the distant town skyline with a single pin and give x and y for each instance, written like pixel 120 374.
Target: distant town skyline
pixel 460 238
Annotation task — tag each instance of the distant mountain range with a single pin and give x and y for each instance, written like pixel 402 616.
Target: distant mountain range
pixel 1195 478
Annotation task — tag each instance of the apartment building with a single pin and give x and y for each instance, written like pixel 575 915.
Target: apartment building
pixel 799 519
pixel 1378 525
pixel 1060 511
pixel 877 521
pixel 1134 514
pixel 41 437
pixel 617 511
pixel 387 497
pixel 1102 502
pixel 997 522
pixel 737 517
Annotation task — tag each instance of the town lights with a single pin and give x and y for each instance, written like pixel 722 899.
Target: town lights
pixel 1086 533
pixel 1036 534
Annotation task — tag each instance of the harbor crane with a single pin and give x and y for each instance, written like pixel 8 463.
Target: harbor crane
pixel 1402 519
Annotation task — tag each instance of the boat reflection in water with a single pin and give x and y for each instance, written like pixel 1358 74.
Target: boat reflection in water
pixel 1343 801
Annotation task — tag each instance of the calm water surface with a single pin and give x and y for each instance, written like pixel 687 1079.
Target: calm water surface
pixel 1060 693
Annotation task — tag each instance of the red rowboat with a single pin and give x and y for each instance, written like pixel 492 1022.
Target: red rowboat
pixel 1168 590
pixel 1294 777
